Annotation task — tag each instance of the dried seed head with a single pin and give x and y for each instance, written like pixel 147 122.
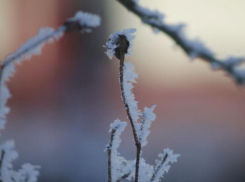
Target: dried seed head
pixel 120 43
pixel 122 46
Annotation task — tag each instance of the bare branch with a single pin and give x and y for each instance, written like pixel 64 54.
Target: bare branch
pixel 117 165
pixel 1 162
pixel 157 169
pixel 109 155
pixel 124 177
pixel 120 44
pixel 80 22
pixel 193 48
pixel 162 164
pixel 120 54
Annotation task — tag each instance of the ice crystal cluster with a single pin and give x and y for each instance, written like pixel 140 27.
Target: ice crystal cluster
pixel 111 44
pixel 86 20
pixel 28 172
pixel 120 168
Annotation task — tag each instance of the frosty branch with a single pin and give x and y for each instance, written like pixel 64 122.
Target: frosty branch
pixel 121 50
pixel 121 44
pixel 193 48
pixel 83 22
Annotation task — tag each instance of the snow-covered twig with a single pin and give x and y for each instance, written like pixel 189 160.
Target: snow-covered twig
pixel 147 117
pixel 118 45
pixel 162 164
pixel 118 167
pixel 83 22
pixel 194 48
pixel 27 173
pixel 80 22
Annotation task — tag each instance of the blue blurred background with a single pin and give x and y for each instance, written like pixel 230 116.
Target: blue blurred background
pixel 64 100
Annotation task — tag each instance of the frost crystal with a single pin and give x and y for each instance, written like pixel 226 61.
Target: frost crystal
pixel 8 154
pixel 146 171
pixel 147 117
pixel 118 127
pixel 111 43
pixel 232 61
pixel 27 173
pixel 162 164
pixel 86 20
pixel 119 165
pixel 129 77
pixel 25 52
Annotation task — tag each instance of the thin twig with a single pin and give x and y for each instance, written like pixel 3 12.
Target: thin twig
pixel 120 54
pixel 82 21
pixel 137 10
pixel 123 177
pixel 156 170
pixel 1 162
pixel 109 155
pixel 10 59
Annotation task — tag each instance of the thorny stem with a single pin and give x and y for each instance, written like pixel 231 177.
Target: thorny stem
pixel 120 54
pixel 156 171
pixel 135 8
pixel 1 162
pixel 109 155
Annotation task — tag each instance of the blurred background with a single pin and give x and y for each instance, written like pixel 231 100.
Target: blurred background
pixel 64 100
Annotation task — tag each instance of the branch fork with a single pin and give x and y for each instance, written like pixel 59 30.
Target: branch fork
pixel 119 44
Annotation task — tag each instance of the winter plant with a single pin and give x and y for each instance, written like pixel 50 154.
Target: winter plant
pixel 120 44
pixel 83 22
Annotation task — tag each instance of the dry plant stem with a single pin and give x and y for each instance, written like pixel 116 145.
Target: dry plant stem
pixel 123 177
pixel 11 59
pixel 1 161
pixel 137 143
pixel 110 159
pixel 155 173
pixel 120 54
pixel 132 6
pixel 109 155
pixel 67 27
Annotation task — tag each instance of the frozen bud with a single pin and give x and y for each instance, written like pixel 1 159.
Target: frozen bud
pixel 120 43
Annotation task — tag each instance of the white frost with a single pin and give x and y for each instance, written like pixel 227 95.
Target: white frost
pixel 8 154
pixel 232 61
pixel 147 118
pixel 25 52
pixel 156 18
pixel 163 167
pixel 111 43
pixel 129 77
pixel 146 171
pixel 86 20
pixel 119 165
pixel 27 173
